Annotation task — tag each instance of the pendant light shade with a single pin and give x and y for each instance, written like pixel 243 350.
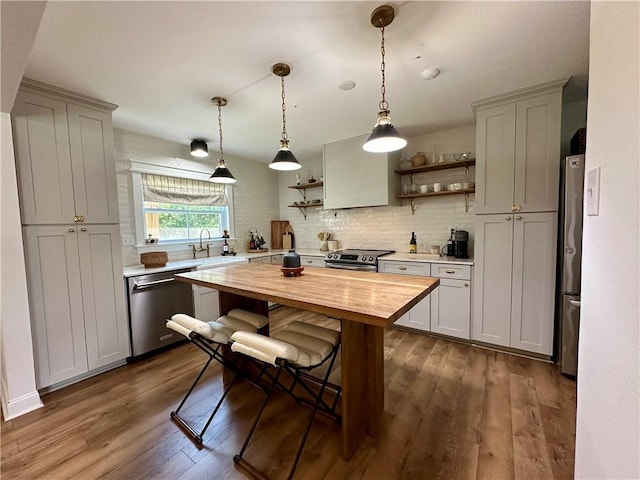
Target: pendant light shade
pixel 284 160
pixel 199 148
pixel 221 174
pixel 384 137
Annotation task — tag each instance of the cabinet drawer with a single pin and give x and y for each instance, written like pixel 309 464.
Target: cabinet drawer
pixel 404 268
pixel 309 261
pixel 446 270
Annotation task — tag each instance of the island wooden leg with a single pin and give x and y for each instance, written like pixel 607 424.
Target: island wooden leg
pixel 362 383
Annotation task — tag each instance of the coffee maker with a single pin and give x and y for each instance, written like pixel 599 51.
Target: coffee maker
pixel 460 244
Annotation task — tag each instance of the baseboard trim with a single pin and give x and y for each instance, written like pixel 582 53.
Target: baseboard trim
pixel 21 405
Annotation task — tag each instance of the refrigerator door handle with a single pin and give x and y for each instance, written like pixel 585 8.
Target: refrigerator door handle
pixel 574 303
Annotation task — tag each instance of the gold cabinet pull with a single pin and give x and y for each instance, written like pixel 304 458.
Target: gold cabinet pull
pixel 450 271
pixel 466 284
pixel 402 268
pixel 516 208
pixel 71 230
pixel 508 217
pixel 78 218
pixel 518 217
pixel 83 229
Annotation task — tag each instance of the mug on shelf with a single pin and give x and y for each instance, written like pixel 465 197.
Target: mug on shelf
pixel 437 187
pixel 424 188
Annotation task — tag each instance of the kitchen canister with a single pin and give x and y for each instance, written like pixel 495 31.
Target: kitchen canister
pixel 419 159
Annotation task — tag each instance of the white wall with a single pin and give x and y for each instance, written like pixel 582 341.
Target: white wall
pixel 255 195
pixel 608 414
pixel 19 394
pixel 387 227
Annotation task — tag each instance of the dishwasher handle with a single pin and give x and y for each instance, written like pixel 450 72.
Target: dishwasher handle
pixel 142 286
pixel 574 303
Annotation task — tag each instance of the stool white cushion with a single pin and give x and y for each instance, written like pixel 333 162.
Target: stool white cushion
pixel 312 350
pixel 258 321
pixel 235 324
pixel 263 348
pixel 178 328
pixel 326 334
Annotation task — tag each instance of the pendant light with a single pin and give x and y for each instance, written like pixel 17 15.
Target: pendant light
pixel 199 148
pixel 384 137
pixel 221 174
pixel 284 159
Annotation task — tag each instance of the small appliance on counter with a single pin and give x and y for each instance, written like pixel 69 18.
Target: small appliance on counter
pixel 458 244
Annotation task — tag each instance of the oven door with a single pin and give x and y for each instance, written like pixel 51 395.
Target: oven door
pixel 351 266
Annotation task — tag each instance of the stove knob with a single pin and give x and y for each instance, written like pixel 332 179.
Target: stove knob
pixel 370 259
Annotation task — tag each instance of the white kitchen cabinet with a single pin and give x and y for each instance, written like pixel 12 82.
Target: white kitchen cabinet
pixel 311 261
pixel 518 150
pixel 451 301
pixel 419 316
pixel 514 281
pixel 65 157
pixel 77 299
pixel 206 304
pixel 355 178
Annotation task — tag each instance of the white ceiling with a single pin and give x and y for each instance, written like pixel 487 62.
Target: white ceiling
pixel 161 62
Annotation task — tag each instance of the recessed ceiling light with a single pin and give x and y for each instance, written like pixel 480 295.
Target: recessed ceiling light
pixel 347 85
pixel 430 73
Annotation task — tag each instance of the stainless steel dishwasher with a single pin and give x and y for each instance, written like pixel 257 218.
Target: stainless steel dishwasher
pixel 154 298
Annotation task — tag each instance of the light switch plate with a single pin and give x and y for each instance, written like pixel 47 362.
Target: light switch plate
pixel 128 240
pixel 592 192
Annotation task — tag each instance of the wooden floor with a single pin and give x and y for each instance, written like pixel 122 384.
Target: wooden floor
pixel 452 411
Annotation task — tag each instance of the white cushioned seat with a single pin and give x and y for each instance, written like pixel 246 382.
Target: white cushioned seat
pixel 263 348
pixel 258 321
pixel 312 350
pixel 235 324
pixel 326 334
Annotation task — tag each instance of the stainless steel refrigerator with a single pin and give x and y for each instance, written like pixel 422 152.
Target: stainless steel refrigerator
pixel 570 259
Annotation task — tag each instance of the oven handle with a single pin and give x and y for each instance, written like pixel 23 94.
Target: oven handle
pixel 142 286
pixel 346 266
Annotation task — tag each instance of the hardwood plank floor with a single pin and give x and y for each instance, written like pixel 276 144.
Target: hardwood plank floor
pixel 452 411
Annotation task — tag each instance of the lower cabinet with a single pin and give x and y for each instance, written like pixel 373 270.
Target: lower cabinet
pixel 76 299
pixel 419 316
pixel 514 280
pixel 451 301
pixel 205 303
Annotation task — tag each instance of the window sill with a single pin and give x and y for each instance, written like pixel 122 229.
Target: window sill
pixel 181 246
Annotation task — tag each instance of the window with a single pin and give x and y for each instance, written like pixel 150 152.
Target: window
pixel 177 210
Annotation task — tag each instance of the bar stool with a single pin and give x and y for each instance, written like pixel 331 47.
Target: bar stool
pixel 210 337
pixel 298 348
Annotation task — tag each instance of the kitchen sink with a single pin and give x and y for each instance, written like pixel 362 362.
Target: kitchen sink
pixel 215 262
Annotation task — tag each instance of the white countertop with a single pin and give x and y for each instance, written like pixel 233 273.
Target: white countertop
pixel 220 260
pixel 426 258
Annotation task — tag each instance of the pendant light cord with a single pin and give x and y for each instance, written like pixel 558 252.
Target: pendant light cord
pixel 384 106
pixel 220 130
pixel 284 117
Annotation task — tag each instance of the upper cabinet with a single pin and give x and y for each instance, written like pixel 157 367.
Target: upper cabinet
pixel 65 156
pixel 355 178
pixel 518 150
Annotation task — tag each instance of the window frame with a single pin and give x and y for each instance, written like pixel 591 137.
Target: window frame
pixel 181 171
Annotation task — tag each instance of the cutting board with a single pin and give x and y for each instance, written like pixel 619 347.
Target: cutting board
pixel 277 231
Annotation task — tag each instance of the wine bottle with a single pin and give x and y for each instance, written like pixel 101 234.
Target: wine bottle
pixel 225 247
pixel 413 243
pixel 252 242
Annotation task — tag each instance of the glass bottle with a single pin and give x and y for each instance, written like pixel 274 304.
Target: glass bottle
pixel 413 243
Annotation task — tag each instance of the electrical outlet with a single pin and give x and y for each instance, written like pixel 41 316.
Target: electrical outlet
pixel 128 240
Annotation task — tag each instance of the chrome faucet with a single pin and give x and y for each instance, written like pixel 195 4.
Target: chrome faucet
pixel 201 248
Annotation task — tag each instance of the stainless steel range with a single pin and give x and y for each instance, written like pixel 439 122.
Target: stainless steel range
pixel 364 260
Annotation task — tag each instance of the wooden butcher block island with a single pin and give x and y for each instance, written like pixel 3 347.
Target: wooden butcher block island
pixel 365 303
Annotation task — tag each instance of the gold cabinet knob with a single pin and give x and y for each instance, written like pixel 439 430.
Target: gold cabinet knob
pixel 518 217
pixel 78 218
pixel 71 230
pixel 508 217
pixel 83 229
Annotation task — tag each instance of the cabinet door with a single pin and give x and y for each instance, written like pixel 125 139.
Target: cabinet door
pixel 534 260
pixel 55 300
pixel 495 145
pixel 450 308
pixel 103 294
pixel 492 279
pixel 205 303
pixel 41 139
pixel 537 153
pixel 92 158
pixel 418 317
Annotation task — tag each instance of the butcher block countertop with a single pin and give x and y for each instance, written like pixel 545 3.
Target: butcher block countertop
pixel 373 298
